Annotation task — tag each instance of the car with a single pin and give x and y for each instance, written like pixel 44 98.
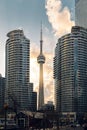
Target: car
pixel 77 125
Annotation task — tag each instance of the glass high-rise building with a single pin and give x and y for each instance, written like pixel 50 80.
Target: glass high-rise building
pixel 32 98
pixel 81 13
pixel 2 91
pixel 70 71
pixel 17 70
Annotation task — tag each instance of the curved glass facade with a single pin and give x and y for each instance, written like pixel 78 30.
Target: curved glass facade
pixel 17 68
pixel 70 71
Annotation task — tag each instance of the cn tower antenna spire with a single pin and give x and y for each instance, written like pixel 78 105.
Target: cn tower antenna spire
pixel 41 39
pixel 41 30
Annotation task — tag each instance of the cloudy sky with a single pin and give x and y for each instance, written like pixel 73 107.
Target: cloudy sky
pixel 57 17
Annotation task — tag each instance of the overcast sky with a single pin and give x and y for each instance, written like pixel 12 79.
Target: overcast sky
pixel 57 19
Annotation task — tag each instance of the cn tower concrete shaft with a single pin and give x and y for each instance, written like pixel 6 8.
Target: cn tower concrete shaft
pixel 41 88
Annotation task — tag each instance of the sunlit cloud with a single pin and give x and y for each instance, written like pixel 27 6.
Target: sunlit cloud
pixel 60 18
pixel 34 68
pixel 2 49
pixel 49 91
pixel 48 77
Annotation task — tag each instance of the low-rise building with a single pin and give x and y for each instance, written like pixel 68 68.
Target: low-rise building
pixel 2 91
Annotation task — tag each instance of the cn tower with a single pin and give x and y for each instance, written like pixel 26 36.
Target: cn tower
pixel 41 61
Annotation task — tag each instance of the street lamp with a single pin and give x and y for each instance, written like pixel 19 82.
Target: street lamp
pixel 5 109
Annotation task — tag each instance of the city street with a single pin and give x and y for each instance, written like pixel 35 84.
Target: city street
pixel 71 128
pixel 67 128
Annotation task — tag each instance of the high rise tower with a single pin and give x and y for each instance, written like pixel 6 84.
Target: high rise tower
pixel 17 69
pixel 41 61
pixel 70 71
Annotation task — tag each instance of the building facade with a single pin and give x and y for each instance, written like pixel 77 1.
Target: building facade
pixel 41 61
pixel 32 98
pixel 17 70
pixel 2 91
pixel 49 107
pixel 70 71
pixel 81 13
pixel 34 101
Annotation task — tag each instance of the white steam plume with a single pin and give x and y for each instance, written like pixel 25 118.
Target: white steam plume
pixel 58 17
